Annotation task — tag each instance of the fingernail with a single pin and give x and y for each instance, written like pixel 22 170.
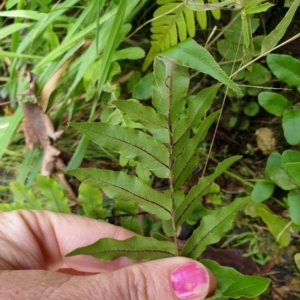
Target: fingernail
pixel 189 281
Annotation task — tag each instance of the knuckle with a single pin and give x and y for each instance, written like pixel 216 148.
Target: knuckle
pixel 139 286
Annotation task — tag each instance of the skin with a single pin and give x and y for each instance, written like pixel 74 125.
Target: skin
pixel 33 245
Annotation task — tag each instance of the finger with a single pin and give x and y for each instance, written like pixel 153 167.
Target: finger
pixel 41 239
pixel 171 278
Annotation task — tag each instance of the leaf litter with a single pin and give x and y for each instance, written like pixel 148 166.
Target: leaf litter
pixel 38 127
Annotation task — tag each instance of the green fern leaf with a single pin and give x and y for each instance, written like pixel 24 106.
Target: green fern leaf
pixel 185 162
pixel 147 116
pixel 135 248
pixel 173 22
pixel 198 107
pixel 56 199
pixel 131 143
pixel 91 200
pixel 206 234
pixel 120 186
pixel 170 88
pixel 24 196
pixel 192 55
pixel 186 207
pixel 12 206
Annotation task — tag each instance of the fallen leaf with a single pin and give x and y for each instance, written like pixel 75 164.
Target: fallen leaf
pixel 49 160
pixel 31 91
pixel 38 127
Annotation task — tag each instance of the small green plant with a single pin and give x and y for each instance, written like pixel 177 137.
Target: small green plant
pixel 285 68
pixel 281 171
pixel 175 19
pixel 166 144
pixel 52 197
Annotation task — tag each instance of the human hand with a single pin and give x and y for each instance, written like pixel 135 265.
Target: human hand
pixel 33 245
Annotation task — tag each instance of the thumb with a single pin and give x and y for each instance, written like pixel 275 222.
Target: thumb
pixel 170 278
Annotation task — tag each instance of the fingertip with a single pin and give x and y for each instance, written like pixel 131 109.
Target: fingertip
pixel 192 280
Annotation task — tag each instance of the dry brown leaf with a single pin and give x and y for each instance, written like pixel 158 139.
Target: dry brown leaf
pixel 49 160
pixel 38 127
pixel 31 91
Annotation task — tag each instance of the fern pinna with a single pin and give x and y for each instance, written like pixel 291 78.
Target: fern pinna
pixel 174 21
pixel 166 143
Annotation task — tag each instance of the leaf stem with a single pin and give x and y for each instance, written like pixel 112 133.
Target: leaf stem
pixel 173 201
pixel 171 182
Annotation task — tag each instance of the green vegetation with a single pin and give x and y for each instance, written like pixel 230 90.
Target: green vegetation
pixel 154 115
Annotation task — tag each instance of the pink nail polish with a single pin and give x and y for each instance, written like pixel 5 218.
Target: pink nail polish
pixel 189 281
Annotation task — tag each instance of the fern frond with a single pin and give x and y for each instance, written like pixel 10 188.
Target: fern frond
pixel 174 22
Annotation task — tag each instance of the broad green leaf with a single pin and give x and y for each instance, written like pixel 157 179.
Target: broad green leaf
pixel 56 200
pixel 185 162
pixel 275 172
pixel 198 107
pixel 290 160
pixel 192 55
pixel 187 206
pixel 294 205
pixel 293 169
pixel 143 90
pixel 126 206
pixel 228 279
pixel 225 276
pixel 131 223
pixel 229 50
pixel 285 68
pixel 291 125
pixel 130 143
pixel 275 36
pixel 273 159
pixel 231 68
pixel 262 191
pixel 131 53
pixel 120 186
pixel 280 177
pixel 158 236
pixel 136 248
pixel 253 8
pixel 24 196
pixel 258 75
pixel 212 228
pixel 277 225
pixel 9 29
pixel 147 116
pixel 91 200
pixel 170 88
pixel 274 103
pixel 251 109
pixel 290 156
pixel 134 80
pixel 248 286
